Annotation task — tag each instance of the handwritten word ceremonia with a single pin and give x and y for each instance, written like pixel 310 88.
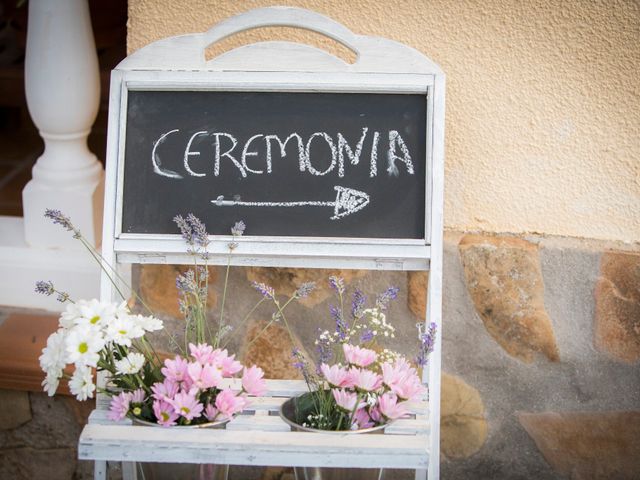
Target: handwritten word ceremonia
pixel 256 155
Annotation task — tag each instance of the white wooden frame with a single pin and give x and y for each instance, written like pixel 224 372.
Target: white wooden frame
pixel 382 66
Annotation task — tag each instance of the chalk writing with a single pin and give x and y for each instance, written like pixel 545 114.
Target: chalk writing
pixel 259 148
pixel 348 201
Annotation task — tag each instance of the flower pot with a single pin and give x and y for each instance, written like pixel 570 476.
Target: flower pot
pixel 288 414
pixel 182 471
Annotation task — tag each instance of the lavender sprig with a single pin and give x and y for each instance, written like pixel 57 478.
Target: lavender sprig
pixel 305 289
pixel 366 335
pixel 427 343
pixel 185 229
pixel 301 363
pixel 47 288
pixel 265 290
pixel 238 229
pixel 358 302
pixel 199 230
pixel 341 326
pixel 337 283
pixel 61 219
pixel 383 300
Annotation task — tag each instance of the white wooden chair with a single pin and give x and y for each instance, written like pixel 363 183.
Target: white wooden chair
pixel 382 66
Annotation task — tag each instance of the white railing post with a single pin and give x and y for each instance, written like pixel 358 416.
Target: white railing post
pixel 62 84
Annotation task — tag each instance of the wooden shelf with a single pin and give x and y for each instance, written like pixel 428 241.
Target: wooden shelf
pixel 259 437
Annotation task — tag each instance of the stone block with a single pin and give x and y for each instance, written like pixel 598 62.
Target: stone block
pixel 35 464
pixel 617 322
pixel 463 426
pixel 285 281
pixel 504 280
pixel 269 347
pixel 417 283
pixel 588 445
pixel 158 288
pixel 16 409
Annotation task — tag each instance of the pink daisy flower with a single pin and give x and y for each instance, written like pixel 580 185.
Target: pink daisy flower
pixel 203 376
pixel 186 405
pixel 229 365
pixel 361 420
pixel 344 399
pixel 175 370
pixel 165 413
pixel 210 412
pixel 164 390
pixel 202 352
pixel 138 396
pixel 119 406
pixel 390 408
pixel 336 375
pixel 228 404
pixel 362 357
pixel 366 380
pixel 252 381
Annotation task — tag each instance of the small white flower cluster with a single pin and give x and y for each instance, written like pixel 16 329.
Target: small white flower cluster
pixel 87 329
pixel 318 421
pixel 375 323
pixel 388 356
pixel 378 323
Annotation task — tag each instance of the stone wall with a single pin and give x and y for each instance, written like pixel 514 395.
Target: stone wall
pixel 39 436
pixel 541 342
pixel 541 359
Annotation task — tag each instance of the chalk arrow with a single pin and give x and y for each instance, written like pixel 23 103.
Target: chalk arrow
pixel 347 201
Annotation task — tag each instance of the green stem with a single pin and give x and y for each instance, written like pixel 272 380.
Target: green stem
pixel 242 322
pixel 224 297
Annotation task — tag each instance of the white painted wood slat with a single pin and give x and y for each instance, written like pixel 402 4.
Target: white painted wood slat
pixel 151 444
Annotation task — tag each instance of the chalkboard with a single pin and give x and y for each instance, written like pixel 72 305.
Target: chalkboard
pixel 287 164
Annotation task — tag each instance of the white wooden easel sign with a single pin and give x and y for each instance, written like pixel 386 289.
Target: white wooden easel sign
pixel 333 165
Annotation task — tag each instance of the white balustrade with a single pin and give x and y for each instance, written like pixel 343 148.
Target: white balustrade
pixel 63 93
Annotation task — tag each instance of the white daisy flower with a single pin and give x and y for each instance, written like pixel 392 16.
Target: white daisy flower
pixel 70 314
pixel 130 364
pixel 82 344
pixel 95 313
pixel 81 383
pixel 53 355
pixel 122 330
pixel 148 324
pixel 51 382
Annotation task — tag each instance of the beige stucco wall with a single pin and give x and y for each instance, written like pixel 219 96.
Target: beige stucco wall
pixel 543 101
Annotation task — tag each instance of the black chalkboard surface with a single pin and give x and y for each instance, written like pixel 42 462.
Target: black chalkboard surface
pixel 288 164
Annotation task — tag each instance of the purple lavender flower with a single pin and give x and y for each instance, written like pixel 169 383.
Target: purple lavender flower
pixel 238 229
pixel 357 303
pixel 341 325
pixel 200 235
pixel 366 335
pixel 186 283
pixel 301 364
pixel 45 288
pixel 337 283
pixel 185 229
pixel 427 343
pixel 61 219
pixel 383 300
pixel 305 289
pixel 265 290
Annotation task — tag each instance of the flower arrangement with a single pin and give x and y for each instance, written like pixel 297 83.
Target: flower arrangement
pixel 358 384
pixel 193 387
